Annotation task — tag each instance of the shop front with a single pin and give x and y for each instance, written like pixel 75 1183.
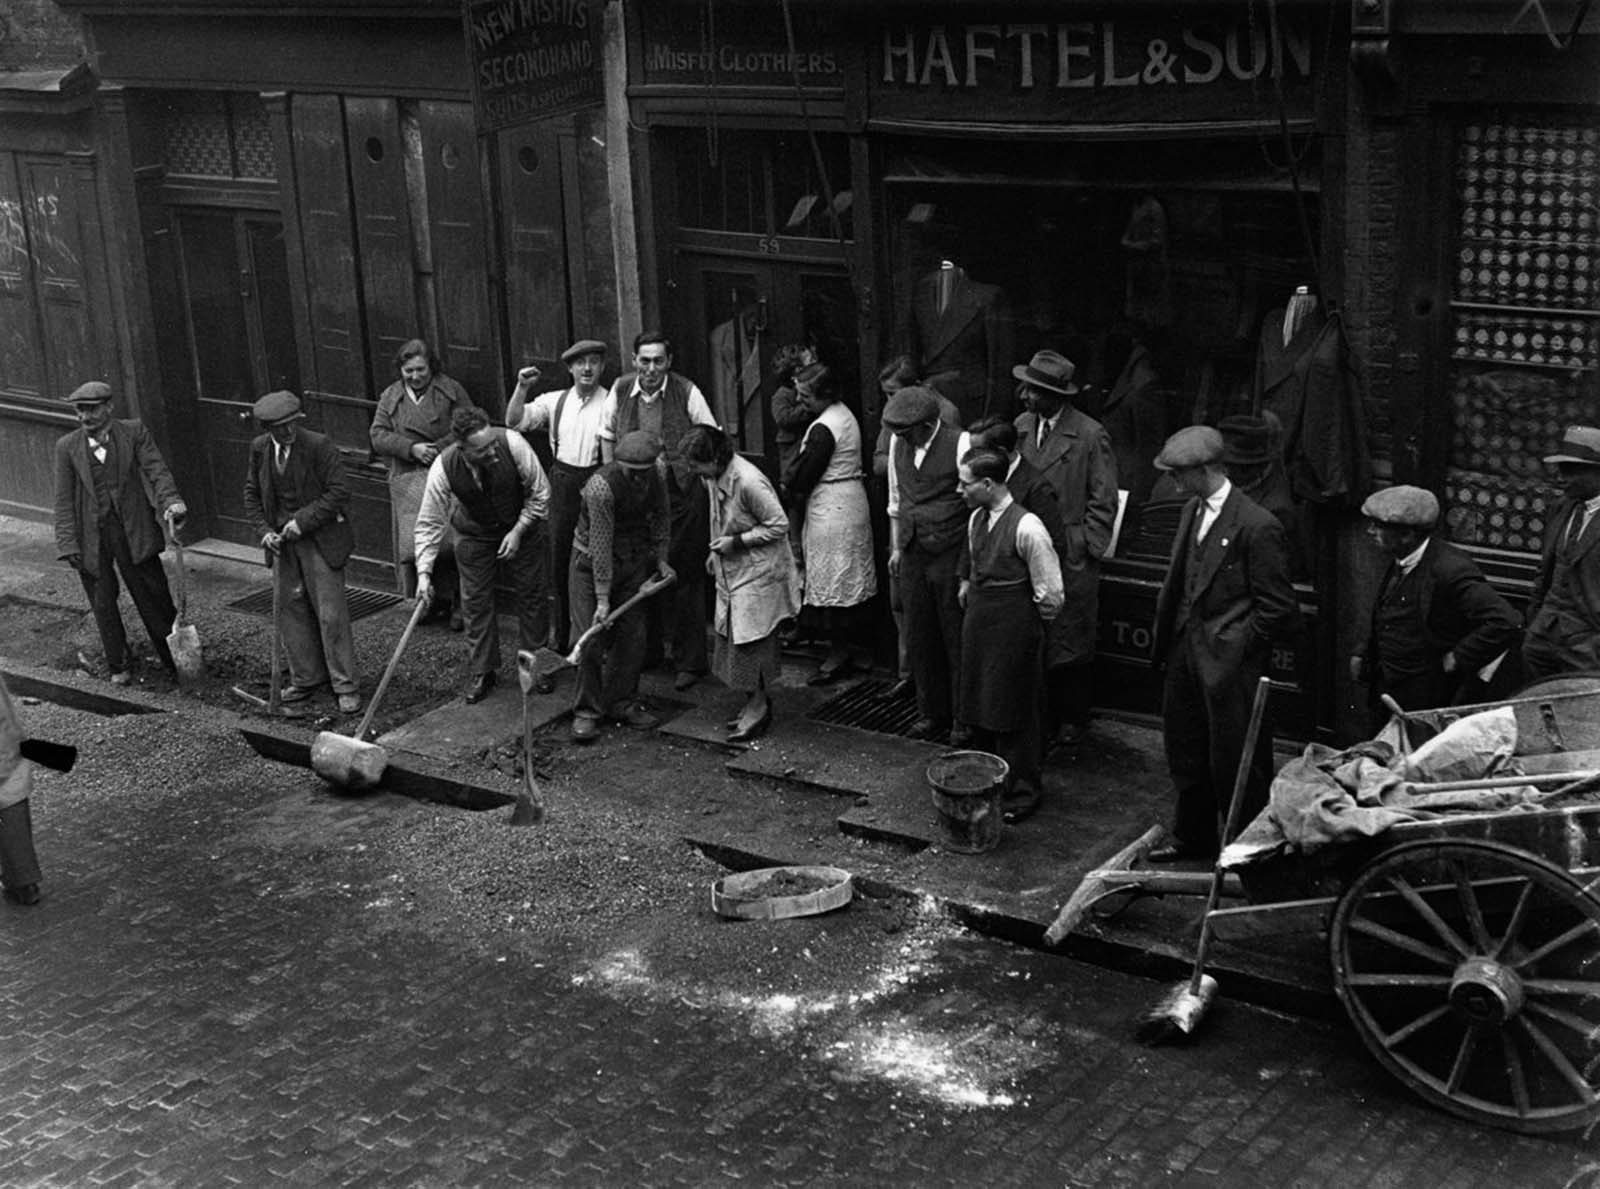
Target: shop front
pixel 1145 191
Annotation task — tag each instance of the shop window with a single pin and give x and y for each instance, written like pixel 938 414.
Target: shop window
pixel 216 134
pixel 759 183
pixel 1526 322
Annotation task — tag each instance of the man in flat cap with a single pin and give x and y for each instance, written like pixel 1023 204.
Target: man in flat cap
pixel 927 522
pixel 297 499
pixel 659 401
pixel 489 488
pixel 1438 629
pixel 623 537
pixel 111 483
pixel 573 418
pixel 1073 452
pixel 1564 612
pixel 1225 601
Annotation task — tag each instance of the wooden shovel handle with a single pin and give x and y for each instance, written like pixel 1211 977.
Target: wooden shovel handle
pixel 654 586
pixel 388 672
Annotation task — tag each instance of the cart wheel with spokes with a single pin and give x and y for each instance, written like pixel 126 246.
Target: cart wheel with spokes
pixel 1471 971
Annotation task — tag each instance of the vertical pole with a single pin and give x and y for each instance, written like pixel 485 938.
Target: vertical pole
pixel 619 175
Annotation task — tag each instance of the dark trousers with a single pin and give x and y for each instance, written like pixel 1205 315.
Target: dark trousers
pixel 932 613
pixel 19 866
pixel 147 585
pixel 566 487
pixel 1067 694
pixel 1203 732
pixel 680 618
pixel 475 558
pixel 608 671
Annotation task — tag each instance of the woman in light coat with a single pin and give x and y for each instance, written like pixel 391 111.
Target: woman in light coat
pixel 19 866
pixel 754 571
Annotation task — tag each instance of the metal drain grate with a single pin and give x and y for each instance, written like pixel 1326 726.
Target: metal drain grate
pixel 362 602
pixel 869 706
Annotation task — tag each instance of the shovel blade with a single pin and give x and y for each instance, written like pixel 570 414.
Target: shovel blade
pixel 184 643
pixel 348 763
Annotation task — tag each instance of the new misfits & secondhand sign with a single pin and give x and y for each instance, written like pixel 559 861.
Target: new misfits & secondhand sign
pixel 532 58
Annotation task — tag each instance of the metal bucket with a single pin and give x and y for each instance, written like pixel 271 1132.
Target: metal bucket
pixel 967 788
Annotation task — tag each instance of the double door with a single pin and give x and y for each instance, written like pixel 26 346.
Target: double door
pixel 739 314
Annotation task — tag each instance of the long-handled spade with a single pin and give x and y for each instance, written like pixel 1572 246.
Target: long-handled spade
pixel 1178 1013
pixel 272 704
pixel 529 809
pixel 183 640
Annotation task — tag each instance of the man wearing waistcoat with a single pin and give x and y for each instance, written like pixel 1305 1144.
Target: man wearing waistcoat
pixel 927 522
pixel 657 400
pixel 489 487
pixel 110 484
pixel 1564 612
pixel 572 418
pixel 1225 601
pixel 623 537
pixel 297 498
pixel 1437 625
pixel 1010 589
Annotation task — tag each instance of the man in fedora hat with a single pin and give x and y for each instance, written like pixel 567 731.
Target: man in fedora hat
pixel 110 484
pixel 297 499
pixel 927 521
pixel 1564 611
pixel 573 418
pixel 623 538
pixel 1438 630
pixel 1073 452
pixel 1225 601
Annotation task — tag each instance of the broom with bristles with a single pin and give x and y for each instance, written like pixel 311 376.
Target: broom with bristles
pixel 1178 1013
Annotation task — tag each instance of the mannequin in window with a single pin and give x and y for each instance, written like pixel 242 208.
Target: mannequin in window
pixel 736 372
pixel 960 342
pixel 1148 296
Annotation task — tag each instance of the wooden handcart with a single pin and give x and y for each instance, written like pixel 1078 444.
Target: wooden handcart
pixel 1465 949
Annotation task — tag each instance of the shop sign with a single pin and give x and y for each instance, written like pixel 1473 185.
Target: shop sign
pixel 741 49
pixel 1145 67
pixel 532 59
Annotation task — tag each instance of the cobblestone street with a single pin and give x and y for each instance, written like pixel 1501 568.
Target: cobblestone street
pixel 233 980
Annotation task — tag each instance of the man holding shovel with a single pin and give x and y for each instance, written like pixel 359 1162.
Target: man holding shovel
pixel 488 486
pixel 622 539
pixel 296 496
pixel 110 483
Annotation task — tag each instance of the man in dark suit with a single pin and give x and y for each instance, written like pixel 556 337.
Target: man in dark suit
pixel 296 497
pixel 1225 601
pixel 1564 612
pixel 960 342
pixel 110 483
pixel 1437 625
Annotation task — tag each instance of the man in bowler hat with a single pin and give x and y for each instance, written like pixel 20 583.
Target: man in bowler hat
pixel 111 483
pixel 297 498
pixel 1225 601
pixel 1564 611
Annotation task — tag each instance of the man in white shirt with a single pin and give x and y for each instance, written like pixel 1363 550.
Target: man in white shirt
pixel 488 486
pixel 658 400
pixel 573 418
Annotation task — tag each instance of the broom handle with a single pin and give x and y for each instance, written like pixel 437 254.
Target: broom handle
pixel 388 672
pixel 1241 778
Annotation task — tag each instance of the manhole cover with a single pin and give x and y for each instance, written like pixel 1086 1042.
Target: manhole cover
pixel 362 602
pixel 870 706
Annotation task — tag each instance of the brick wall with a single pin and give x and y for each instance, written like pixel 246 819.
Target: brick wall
pixel 36 35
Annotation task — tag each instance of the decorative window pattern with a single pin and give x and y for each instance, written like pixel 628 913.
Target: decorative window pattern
pixel 1526 350
pixel 215 134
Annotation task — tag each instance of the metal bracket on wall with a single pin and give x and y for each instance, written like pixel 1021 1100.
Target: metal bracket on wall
pixel 1371 56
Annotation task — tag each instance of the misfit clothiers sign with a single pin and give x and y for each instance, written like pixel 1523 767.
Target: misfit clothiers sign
pixel 532 59
pixel 1143 66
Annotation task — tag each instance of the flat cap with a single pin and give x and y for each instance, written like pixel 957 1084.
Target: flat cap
pixel 640 449
pixel 1404 506
pixel 911 406
pixel 277 406
pixel 581 348
pixel 1191 446
pixel 1580 446
pixel 93 393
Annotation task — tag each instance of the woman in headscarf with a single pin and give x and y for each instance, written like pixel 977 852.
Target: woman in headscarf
pixel 753 569
pixel 409 428
pixel 828 481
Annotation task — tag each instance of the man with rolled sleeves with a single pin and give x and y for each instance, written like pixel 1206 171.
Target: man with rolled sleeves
pixel 297 499
pixel 623 537
pixel 489 487
pixel 573 418
pixel 1564 612
pixel 110 485
pixel 1437 625
pixel 1225 601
